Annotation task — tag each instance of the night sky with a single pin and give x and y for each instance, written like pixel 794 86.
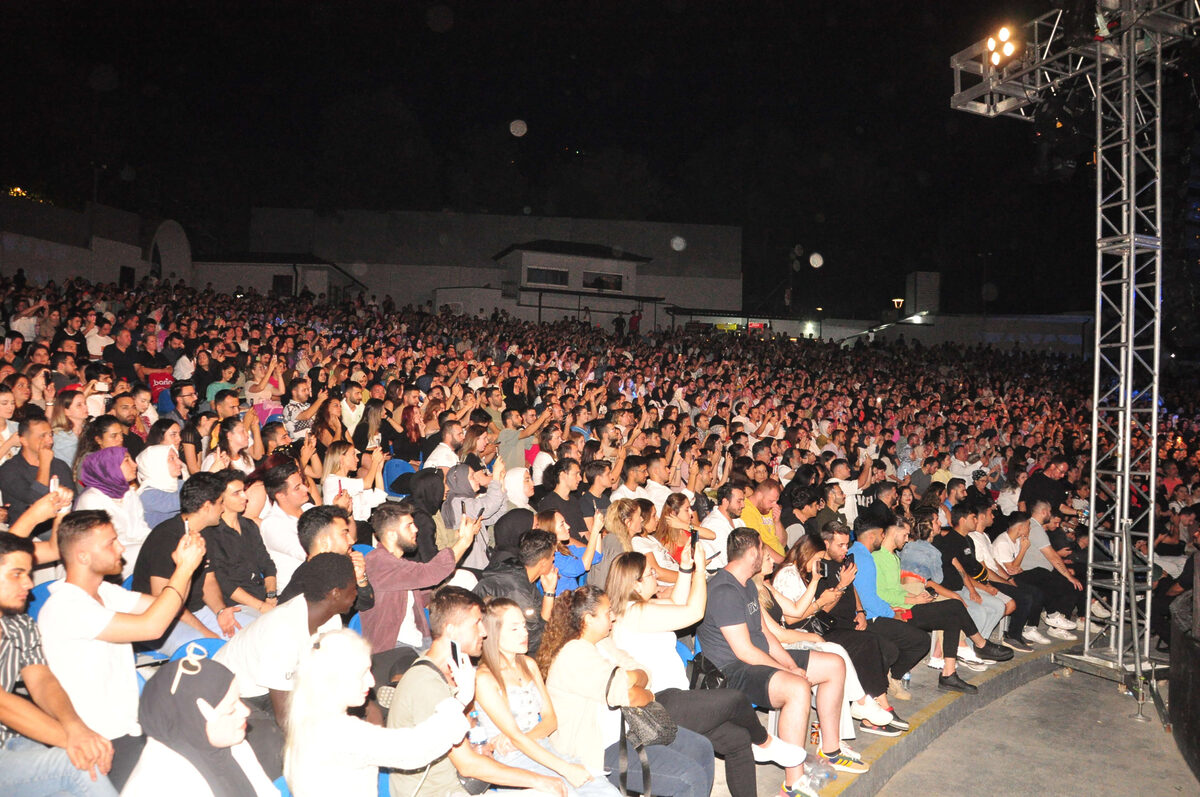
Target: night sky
pixel 820 124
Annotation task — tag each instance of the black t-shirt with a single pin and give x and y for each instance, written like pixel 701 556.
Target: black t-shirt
pixel 133 444
pixel 588 503
pixel 846 608
pixel 152 362
pixel 1040 487
pixel 730 603
pixel 155 560
pixel 953 545
pixel 569 509
pixel 122 362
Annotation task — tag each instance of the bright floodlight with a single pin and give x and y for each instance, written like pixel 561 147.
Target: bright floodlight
pixel 995 59
pixel 1009 49
pixel 991 44
pixel 1004 34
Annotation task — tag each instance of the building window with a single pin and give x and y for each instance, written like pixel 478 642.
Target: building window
pixel 602 281
pixel 546 276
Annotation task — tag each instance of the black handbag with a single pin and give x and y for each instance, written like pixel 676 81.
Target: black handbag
pixel 820 623
pixel 642 726
pixel 705 674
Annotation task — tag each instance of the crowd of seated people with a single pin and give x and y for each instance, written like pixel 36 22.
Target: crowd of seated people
pixel 520 522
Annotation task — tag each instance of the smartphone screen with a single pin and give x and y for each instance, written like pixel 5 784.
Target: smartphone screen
pixel 695 537
pixel 454 657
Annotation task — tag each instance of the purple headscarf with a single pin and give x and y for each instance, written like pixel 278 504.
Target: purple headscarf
pixel 102 470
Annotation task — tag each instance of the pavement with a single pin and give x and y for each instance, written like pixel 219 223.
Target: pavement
pixel 1034 729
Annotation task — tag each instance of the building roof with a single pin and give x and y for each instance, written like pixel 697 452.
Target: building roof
pixel 573 249
pixel 265 258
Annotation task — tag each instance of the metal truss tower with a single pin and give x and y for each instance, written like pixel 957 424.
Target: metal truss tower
pixel 1122 74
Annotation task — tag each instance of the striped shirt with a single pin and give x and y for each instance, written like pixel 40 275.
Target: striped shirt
pixel 20 647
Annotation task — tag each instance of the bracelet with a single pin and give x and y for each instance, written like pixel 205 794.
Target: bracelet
pixel 177 592
pixel 691 569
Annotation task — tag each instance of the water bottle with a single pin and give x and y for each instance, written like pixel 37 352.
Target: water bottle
pixel 907 680
pixel 477 736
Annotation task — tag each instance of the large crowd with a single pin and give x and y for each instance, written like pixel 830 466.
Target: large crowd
pixel 259 544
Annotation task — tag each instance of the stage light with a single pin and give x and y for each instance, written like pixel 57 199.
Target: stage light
pixel 1001 47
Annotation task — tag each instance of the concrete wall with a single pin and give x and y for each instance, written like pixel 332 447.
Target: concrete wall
pixel 1067 334
pixel 409 255
pixel 45 260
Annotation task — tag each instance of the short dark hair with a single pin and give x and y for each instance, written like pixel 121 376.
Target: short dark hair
pixel 317 577
pixel 595 468
pixel 447 604
pixel 725 493
pixel 536 545
pixel 222 395
pixel 316 520
pixel 275 479
pixel 230 475
pixel 632 463
pixel 834 528
pixel 962 510
pixel 75 526
pixel 200 489
pixel 955 482
pixel 387 514
pixel 11 543
pixel 741 540
pixel 177 388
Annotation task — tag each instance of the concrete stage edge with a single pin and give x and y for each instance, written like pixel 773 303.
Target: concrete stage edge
pixel 888 755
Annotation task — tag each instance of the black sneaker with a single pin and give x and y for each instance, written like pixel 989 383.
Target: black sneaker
pixel 991 652
pixel 952 683
pixel 879 730
pixel 897 722
pixel 1019 645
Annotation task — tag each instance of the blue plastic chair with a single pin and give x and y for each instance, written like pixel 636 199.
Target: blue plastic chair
pixel 274 418
pixel 37 599
pixel 206 645
pixel 392 470
pixel 281 784
pixel 385 790
pixel 355 624
pixel 141 682
pixel 128 583
pixel 362 549
pixel 685 653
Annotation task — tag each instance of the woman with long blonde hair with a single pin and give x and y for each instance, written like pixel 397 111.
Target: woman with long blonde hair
pixel 517 711
pixel 622 522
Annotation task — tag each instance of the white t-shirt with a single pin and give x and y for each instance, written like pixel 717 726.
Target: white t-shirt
pixel 99 677
pixel 283 544
pixel 984 552
pixel 542 461
pixel 128 517
pixel 714 550
pixel 441 457
pixel 362 499
pixel 264 654
pixel 851 490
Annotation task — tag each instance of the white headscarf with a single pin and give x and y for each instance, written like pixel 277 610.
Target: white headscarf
pixel 514 487
pixel 153 471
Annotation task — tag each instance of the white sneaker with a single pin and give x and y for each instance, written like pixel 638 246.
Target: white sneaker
pixel 777 751
pixel 935 664
pixel 977 666
pixel 1034 636
pixel 872 712
pixel 967 653
pixel 1060 633
pixel 1056 620
pixel 1100 610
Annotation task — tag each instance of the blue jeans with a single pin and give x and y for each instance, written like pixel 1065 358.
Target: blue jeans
pixel 596 787
pixel 29 769
pixel 987 613
pixel 684 768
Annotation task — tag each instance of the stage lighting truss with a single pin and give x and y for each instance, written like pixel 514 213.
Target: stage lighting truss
pixel 1001 47
pixel 1122 75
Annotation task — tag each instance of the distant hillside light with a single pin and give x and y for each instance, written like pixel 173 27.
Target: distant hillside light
pixel 815 260
pixel 679 243
pixel 518 127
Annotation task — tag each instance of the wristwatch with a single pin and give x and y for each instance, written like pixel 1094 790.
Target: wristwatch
pixel 271 594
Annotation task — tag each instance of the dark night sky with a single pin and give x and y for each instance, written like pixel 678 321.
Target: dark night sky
pixel 821 124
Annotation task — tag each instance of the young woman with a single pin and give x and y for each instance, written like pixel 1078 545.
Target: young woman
pixel 100 433
pixel 233 447
pixel 517 711
pixel 164 431
pixel 622 523
pixel 364 485
pixel 518 487
pixel 905 503
pixel 329 752
pixel 645 626
pixel 104 477
pixel 195 439
pixel 407 445
pixel 226 381
pixel 587 678
pixel 10 444
pixel 374 430
pixel 654 543
pixel 572 561
pixel 327 426
pixel 67 418
pixel 159 471
pixel 195 725
pixel 428 492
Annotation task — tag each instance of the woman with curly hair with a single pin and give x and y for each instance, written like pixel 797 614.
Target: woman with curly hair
pixel 588 679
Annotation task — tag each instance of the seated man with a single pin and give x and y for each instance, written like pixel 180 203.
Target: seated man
pixel 237 556
pixel 1025 553
pixel 88 626
pixel 513 577
pixel 328 529
pixel 54 752
pixel 287 498
pixel 264 655
pixel 26 477
pixel 455 618
pixel 963 574
pixel 949 616
pixel 401 584
pixel 736 637
pixel 205 613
